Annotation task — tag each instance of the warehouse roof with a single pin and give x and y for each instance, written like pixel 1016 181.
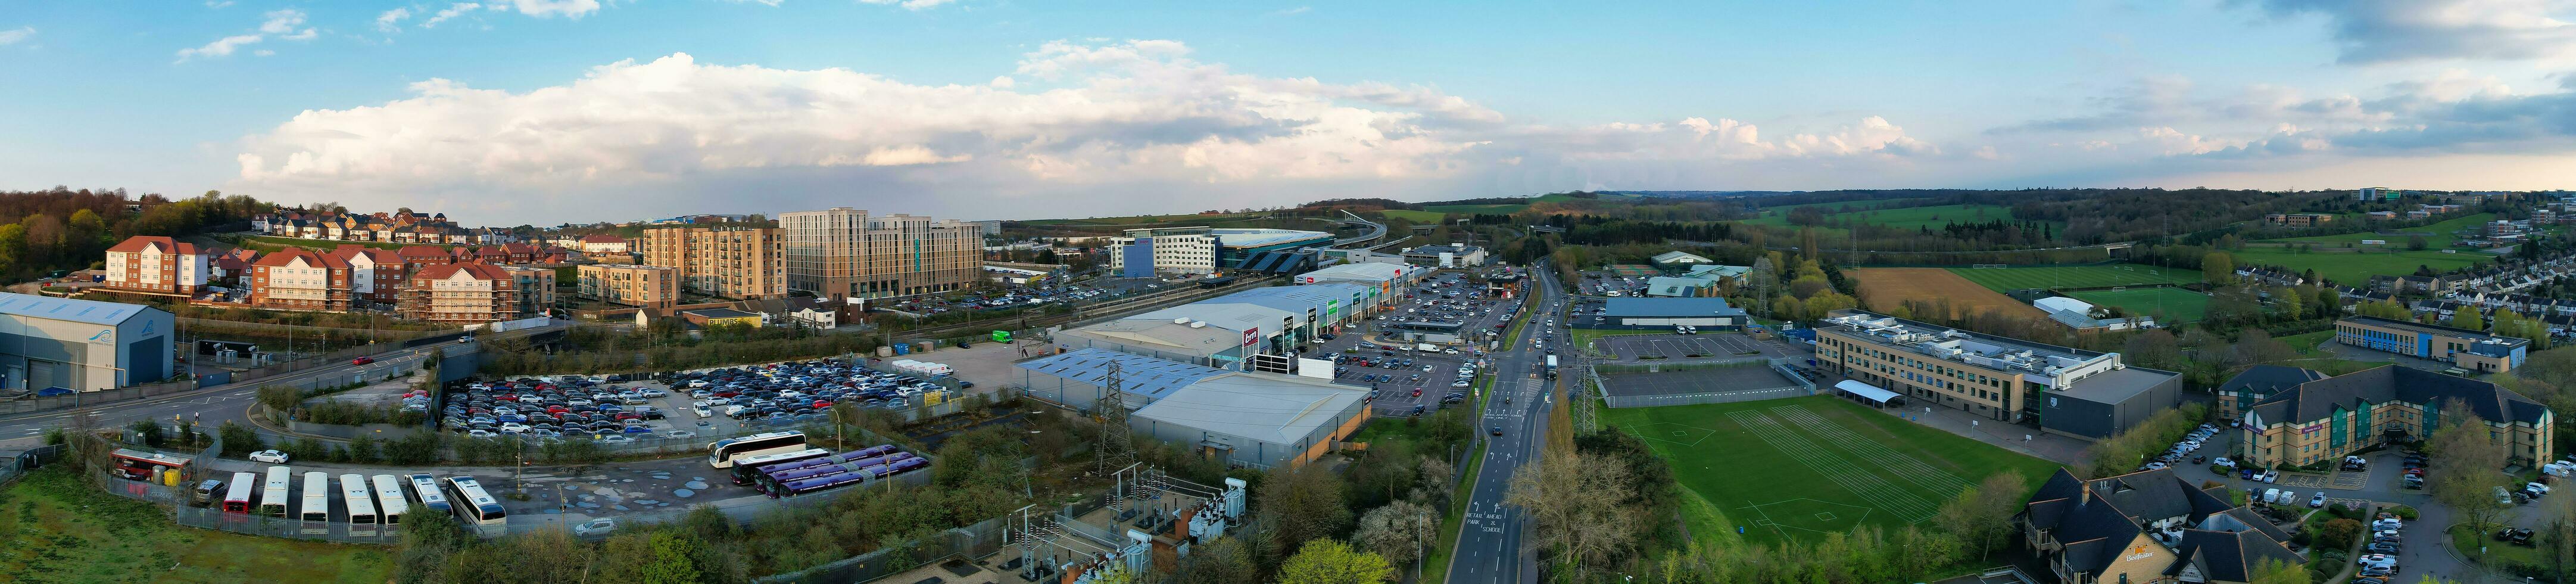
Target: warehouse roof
pixel 1359 271
pixel 1262 237
pixel 1137 374
pixel 1231 316
pixel 2114 386
pixel 1662 307
pixel 1164 333
pixel 1679 257
pixel 67 309
pixel 1279 409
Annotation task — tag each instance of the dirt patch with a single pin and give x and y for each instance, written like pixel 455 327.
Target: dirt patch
pixel 1885 288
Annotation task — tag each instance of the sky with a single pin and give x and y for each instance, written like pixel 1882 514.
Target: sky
pixel 509 112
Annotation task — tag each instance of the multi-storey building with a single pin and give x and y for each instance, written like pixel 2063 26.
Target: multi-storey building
pixel 536 290
pixel 152 263
pixel 295 278
pixel 376 275
pixel 2299 219
pixel 2068 391
pixel 2326 419
pixel 846 252
pixel 1202 250
pixel 655 287
pixel 741 263
pixel 2471 350
pixel 2147 527
pixel 461 293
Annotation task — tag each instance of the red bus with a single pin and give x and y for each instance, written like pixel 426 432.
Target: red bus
pixel 237 496
pixel 137 465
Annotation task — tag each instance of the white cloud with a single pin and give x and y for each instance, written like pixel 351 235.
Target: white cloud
pixel 1105 117
pixel 218 3
pixel 1292 11
pixel 221 47
pixel 452 11
pixel 2375 31
pixel 550 8
pixel 910 4
pixel 11 37
pixel 391 20
pixel 280 24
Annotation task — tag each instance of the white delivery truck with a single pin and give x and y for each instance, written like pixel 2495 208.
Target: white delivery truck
pixel 2271 495
pixel 1426 347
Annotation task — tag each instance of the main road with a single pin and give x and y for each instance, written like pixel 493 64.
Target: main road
pixel 1491 545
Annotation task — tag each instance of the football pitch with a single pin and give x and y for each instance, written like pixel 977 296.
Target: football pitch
pixel 2173 306
pixel 1804 467
pixel 2010 279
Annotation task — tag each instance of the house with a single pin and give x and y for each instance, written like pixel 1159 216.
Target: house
pixel 377 275
pixel 603 243
pixel 2147 526
pixel 710 317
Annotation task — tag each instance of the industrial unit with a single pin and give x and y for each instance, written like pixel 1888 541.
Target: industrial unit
pixel 1709 313
pixel 1255 419
pixel 2471 350
pixel 81 345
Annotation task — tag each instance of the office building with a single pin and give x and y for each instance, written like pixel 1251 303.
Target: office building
pixel 655 287
pixel 1201 250
pixel 2298 219
pixel 82 345
pixel 2068 391
pixel 846 252
pixel 2468 349
pixel 739 263
pixel 1446 256
pixel 2325 419
pixel 156 264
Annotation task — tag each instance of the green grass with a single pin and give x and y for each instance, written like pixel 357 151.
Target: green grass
pixel 1411 215
pixel 81 535
pixel 2306 343
pixel 1773 493
pixel 2437 234
pixel 1907 217
pixel 2355 269
pixel 2172 306
pixel 1474 209
pixel 1833 207
pixel 2010 279
pixel 2467 539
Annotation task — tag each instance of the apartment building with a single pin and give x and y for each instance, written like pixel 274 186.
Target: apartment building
pixel 2472 350
pixel 2326 419
pixel 847 252
pixel 295 278
pixel 375 275
pixel 740 263
pixel 656 287
pixel 2299 219
pixel 152 263
pixel 536 289
pixel 603 244
pixel 461 293
pixel 2069 391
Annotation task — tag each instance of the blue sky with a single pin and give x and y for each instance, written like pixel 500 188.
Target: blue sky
pixel 542 111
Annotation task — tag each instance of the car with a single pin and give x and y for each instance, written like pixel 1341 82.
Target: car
pixel 702 410
pixel 268 456
pixel 615 439
pixel 362 360
pixel 1495 430
pixel 595 527
pixel 2317 501
pixel 468 338
pixel 679 434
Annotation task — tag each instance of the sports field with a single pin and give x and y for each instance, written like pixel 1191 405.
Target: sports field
pixel 1804 467
pixel 2355 269
pixel 1903 218
pixel 2170 306
pixel 1885 288
pixel 2010 279
pixel 2436 235
pixel 1412 215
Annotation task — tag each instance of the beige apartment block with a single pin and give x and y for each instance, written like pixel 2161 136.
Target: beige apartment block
pixel 741 263
pixel 631 285
pixel 847 252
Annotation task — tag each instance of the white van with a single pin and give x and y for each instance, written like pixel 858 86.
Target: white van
pixel 2271 495
pixel 735 411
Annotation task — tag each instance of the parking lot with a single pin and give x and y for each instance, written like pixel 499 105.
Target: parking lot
pixel 1607 284
pixel 1378 357
pixel 686 405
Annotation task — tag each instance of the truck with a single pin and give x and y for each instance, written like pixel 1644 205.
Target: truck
pixel 1426 347
pixel 920 368
pixel 1551 366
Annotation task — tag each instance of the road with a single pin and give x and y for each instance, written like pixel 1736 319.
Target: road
pixel 1491 545
pixel 211 406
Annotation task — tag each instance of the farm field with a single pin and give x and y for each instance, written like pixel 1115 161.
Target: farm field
pixel 2437 234
pixel 1804 467
pixel 1905 218
pixel 2170 306
pixel 2010 279
pixel 2355 269
pixel 1474 209
pixel 1412 215
pixel 68 532
pixel 1886 287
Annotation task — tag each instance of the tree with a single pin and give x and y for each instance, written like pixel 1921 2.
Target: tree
pixel 2218 268
pixel 239 439
pixel 2337 533
pixel 1326 561
pixel 2558 537
pixel 2256 346
pixel 2467 460
pixel 2280 572
pixel 673 561
pixel 1399 530
pixel 2468 317
pixel 1305 504
pixel 2417 242
pixel 1982 515
pixel 1579 507
pixel 1224 561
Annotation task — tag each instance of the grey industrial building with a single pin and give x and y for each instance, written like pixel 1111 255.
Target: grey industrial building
pixel 2108 402
pixel 82 345
pixel 1256 420
pixel 1709 313
pixel 1074 379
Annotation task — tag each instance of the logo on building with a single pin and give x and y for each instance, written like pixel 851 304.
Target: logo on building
pixel 1251 335
pixel 104 336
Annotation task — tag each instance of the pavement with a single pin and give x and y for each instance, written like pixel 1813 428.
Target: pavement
pixel 1493 545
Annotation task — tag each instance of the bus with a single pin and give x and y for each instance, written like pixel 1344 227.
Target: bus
pixel 137 465
pixel 272 492
pixel 237 497
pixel 389 499
pixel 837 480
pixel 475 507
pixel 745 467
pixel 317 501
pixel 1551 366
pixel 360 499
pixel 770 481
pixel 722 453
pixel 424 489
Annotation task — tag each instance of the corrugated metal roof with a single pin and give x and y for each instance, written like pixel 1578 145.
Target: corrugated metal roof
pixel 1138 375
pixel 1667 307
pixel 67 309
pixel 1279 409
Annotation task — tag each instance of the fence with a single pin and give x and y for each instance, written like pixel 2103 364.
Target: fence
pixel 973 541
pixel 248 524
pixel 1800 386
pixel 94 398
pixel 19 464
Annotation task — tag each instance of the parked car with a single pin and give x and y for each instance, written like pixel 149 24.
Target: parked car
pixel 595 527
pixel 268 456
pixel 2317 501
pixel 362 360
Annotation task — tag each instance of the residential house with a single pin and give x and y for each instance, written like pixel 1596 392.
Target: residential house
pixel 2147 527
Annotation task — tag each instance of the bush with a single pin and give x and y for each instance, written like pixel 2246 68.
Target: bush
pixel 239 439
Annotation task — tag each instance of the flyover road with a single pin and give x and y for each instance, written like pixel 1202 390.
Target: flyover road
pixel 1491 546
pixel 212 406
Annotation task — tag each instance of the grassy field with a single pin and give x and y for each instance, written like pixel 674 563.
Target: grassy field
pixel 1804 467
pixel 2355 269
pixel 1474 209
pixel 2307 343
pixel 1886 287
pixel 2171 306
pixel 2010 279
pixel 1905 218
pixel 54 527
pixel 1412 215
pixel 2437 234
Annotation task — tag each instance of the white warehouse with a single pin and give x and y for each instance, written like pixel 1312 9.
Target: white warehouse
pixel 82 345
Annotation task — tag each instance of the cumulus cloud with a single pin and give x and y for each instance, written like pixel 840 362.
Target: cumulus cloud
pixel 1111 116
pixel 11 37
pixel 281 24
pixel 391 20
pixel 550 8
pixel 2450 112
pixel 450 12
pixel 2376 31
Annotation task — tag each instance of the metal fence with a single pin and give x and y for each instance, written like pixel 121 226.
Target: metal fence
pixel 973 541
pixel 93 398
pixel 1799 387
pixel 19 464
pixel 262 525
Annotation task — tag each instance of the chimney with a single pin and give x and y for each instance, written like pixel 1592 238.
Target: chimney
pixel 2084 496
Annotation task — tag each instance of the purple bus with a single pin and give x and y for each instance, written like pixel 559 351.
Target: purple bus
pixel 836 480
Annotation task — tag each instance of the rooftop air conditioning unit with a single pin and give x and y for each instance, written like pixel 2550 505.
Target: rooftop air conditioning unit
pixel 1181 320
pixel 1198 324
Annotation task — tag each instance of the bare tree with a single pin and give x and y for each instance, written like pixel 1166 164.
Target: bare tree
pixel 1398 530
pixel 1576 503
pixel 1980 516
pixel 2467 464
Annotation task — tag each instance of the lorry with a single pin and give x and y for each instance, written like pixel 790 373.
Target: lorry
pixel 1551 366
pixel 1426 347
